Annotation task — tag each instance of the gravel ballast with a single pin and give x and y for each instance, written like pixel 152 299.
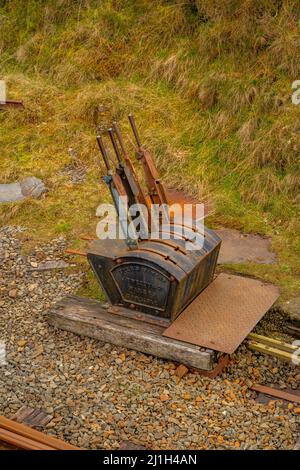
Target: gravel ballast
pixel 99 395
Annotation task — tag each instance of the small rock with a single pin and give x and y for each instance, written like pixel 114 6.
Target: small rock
pixel 292 308
pixel 13 293
pixel 38 351
pixel 33 187
pixel 186 396
pixel 181 371
pixel 32 287
pixel 51 265
pixel 164 397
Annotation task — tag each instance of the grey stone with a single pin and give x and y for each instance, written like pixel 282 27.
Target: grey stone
pixel 291 308
pixel 10 192
pixel 30 186
pixel 49 265
pixel 33 187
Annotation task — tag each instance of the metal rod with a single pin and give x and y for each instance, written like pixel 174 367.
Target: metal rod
pixel 134 129
pixel 115 146
pixel 70 251
pixel 103 152
pixel 12 104
pixel 276 393
pixel 87 237
pixel 119 136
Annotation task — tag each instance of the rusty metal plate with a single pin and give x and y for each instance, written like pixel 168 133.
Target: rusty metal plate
pixel 223 315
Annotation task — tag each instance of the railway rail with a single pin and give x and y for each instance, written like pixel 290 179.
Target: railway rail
pixel 15 436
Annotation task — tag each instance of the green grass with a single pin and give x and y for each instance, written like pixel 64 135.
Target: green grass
pixel 91 288
pixel 209 83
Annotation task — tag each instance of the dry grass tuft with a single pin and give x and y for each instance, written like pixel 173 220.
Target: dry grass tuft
pixel 264 186
pixel 277 146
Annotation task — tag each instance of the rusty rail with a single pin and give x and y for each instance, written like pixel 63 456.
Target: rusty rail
pixel 276 393
pixel 24 437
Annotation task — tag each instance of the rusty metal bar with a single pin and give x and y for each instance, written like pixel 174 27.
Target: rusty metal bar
pixel 87 237
pixel 11 104
pixel 103 152
pixel 20 435
pixel 142 198
pixel 134 130
pixel 70 251
pixel 119 187
pixel 156 189
pixel 115 146
pixel 218 369
pixel 274 392
pixel 21 442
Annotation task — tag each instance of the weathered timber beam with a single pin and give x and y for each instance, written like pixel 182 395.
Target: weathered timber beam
pixel 88 317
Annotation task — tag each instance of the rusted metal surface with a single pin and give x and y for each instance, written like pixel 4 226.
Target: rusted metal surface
pixel 277 393
pixel 223 315
pixel 21 442
pixel 238 247
pixel 24 437
pixel 157 273
pixel 11 104
pixel 6 446
pixel 115 178
pixel 156 189
pixel 87 237
pixel 178 198
pixel 212 374
pixel 71 251
pixel 157 278
pixel 130 172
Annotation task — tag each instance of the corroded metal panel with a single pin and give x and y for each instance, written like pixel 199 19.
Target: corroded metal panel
pixel 160 277
pixel 141 284
pixel 223 315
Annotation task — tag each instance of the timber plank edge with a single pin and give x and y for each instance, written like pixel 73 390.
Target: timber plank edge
pixel 88 317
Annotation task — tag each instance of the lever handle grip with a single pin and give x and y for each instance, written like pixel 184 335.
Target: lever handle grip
pixel 134 129
pixel 103 152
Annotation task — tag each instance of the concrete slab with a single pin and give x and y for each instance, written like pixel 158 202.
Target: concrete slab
pixel 238 247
